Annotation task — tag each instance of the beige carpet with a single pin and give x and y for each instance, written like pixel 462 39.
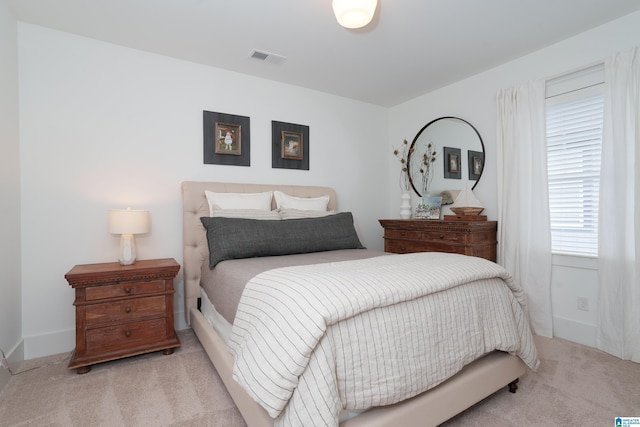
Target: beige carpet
pixel 575 385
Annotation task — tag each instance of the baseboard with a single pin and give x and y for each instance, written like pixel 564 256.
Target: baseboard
pixel 48 344
pixel 573 331
pixel 14 357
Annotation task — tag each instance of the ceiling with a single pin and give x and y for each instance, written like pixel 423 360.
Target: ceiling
pixel 411 47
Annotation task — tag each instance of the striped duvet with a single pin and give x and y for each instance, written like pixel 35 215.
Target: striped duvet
pixel 309 341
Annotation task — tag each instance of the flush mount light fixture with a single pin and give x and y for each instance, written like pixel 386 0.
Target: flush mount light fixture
pixel 354 13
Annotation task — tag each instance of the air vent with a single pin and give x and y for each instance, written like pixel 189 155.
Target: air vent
pixel 267 57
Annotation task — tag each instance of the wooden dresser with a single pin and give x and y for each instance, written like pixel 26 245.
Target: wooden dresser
pixel 122 310
pixel 475 238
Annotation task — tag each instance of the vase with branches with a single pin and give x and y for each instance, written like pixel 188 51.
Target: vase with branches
pixel 402 153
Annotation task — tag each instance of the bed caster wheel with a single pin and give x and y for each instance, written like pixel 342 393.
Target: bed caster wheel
pixel 513 385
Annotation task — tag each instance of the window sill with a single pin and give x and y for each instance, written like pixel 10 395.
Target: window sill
pixel 575 261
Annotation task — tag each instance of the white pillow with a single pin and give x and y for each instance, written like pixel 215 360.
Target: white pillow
pixel 246 213
pixel 284 201
pixel 297 213
pixel 261 201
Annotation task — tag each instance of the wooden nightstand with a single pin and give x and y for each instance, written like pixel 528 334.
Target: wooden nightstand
pixel 475 238
pixel 122 310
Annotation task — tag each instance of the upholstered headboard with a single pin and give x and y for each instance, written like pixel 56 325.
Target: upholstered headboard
pixel 195 251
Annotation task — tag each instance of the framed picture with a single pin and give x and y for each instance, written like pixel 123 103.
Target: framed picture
pixel 429 208
pixel 476 164
pixel 226 139
pixel 452 163
pixel 290 146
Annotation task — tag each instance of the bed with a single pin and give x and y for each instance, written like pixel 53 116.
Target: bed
pixel 476 380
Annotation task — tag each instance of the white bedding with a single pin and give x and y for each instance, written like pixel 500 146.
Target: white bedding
pixel 415 324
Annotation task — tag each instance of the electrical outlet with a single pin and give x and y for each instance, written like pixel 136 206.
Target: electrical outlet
pixel 583 303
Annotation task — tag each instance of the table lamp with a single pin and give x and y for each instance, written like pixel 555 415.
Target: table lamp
pixel 128 222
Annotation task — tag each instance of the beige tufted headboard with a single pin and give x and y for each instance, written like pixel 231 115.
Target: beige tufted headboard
pixel 194 243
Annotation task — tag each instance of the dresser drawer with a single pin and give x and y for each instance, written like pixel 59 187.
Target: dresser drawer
pixel 125 310
pixel 411 246
pixel 436 236
pixel 402 234
pixel 123 289
pixel 125 335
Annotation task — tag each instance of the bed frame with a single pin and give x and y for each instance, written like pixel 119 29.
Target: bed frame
pixel 475 382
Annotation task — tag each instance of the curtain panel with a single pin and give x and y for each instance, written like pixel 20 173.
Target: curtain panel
pixel 618 330
pixel 524 230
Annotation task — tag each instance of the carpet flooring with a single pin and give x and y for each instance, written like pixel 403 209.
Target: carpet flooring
pixel 575 385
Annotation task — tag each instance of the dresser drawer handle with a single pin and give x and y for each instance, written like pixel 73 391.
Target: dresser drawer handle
pixel 403 233
pixel 127 334
pixel 127 310
pixel 442 236
pixel 127 290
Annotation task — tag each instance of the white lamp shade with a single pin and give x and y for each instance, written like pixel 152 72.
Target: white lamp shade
pixel 354 13
pixel 128 221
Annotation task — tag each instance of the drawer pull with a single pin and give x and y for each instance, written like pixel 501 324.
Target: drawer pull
pixel 127 334
pixel 127 290
pixel 442 236
pixel 127 310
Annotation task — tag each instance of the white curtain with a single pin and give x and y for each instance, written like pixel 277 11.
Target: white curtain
pixel 619 227
pixel 524 231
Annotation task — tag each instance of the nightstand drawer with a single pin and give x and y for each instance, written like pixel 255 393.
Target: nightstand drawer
pixel 125 310
pixel 123 290
pixel 125 335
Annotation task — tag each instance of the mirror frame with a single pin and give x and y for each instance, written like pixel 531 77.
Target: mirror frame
pixel 413 143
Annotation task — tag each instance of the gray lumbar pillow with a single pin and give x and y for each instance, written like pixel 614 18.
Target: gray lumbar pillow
pixel 232 238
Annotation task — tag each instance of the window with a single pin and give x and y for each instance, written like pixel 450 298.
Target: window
pixel 574 119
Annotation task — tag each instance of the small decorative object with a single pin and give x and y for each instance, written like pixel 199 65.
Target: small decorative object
pixel 452 163
pixel 466 203
pixel 226 139
pixel 429 207
pixel 128 222
pixel 289 146
pixel 402 154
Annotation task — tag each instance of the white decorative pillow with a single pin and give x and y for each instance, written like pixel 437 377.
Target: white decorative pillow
pixel 284 201
pixel 297 213
pixel 246 213
pixel 261 201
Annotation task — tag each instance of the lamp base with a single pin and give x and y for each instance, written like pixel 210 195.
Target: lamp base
pixel 127 249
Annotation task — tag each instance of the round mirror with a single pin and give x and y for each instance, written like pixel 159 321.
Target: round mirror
pixel 444 155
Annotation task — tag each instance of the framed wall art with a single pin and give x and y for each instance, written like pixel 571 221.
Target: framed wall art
pixel 290 146
pixel 476 164
pixel 226 139
pixel 452 163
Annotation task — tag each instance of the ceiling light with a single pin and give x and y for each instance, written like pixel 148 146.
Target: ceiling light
pixel 354 13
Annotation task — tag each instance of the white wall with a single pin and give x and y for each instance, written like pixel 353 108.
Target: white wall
pixel 10 290
pixel 473 99
pixel 103 126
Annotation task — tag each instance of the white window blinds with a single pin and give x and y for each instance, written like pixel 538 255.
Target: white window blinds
pixel 574 122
